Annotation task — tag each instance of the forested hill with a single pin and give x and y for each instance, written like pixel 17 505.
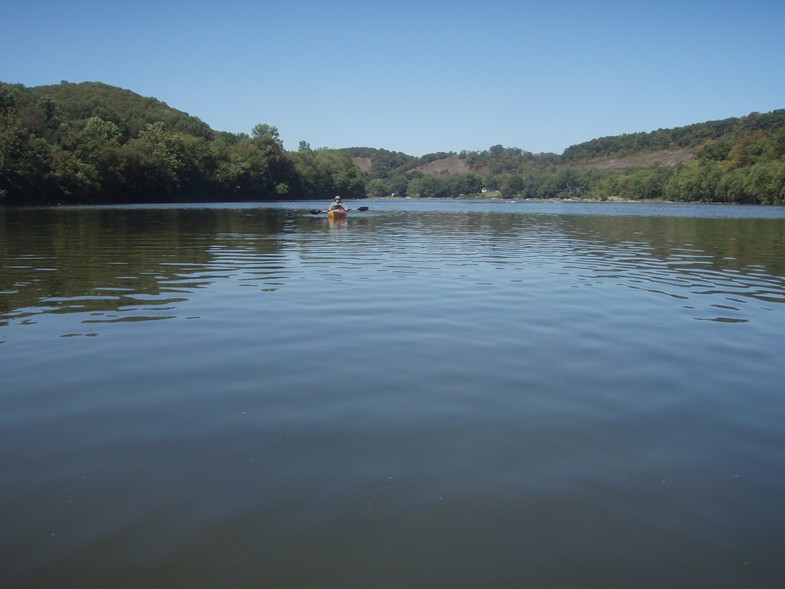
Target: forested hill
pixel 126 109
pixel 95 143
pixel 690 137
pixel 738 160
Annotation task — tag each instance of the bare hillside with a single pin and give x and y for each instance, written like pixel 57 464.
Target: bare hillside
pixel 448 166
pixel 455 165
pixel 667 158
pixel 364 163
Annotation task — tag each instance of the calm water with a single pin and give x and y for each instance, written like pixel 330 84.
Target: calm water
pixel 428 395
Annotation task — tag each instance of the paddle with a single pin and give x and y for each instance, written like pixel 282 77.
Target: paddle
pixel 318 212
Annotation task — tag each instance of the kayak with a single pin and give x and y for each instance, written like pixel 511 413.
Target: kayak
pixel 337 213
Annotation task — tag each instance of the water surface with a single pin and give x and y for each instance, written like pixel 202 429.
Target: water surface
pixel 429 394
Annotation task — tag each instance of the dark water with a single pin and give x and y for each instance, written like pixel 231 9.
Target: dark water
pixel 428 395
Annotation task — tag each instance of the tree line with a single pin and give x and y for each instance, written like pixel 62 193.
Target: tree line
pixel 701 180
pixel 93 143
pixel 731 161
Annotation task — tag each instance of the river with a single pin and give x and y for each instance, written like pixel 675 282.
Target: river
pixel 428 394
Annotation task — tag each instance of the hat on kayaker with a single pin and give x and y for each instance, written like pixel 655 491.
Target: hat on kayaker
pixel 337 198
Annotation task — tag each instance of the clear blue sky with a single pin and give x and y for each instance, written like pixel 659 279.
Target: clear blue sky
pixel 415 76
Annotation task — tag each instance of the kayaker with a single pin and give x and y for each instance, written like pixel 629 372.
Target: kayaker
pixel 337 204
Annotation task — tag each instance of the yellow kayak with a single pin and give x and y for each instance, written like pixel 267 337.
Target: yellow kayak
pixel 337 213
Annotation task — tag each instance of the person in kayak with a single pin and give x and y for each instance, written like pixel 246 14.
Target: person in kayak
pixel 337 204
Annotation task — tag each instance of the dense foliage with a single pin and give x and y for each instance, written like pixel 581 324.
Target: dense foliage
pixel 735 161
pixel 691 136
pixel 93 143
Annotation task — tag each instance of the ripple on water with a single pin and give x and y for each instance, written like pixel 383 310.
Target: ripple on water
pixel 448 391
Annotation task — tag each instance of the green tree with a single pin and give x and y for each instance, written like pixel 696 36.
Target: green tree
pixel 512 186
pixel 24 159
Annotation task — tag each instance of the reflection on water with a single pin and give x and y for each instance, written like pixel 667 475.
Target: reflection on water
pixel 143 264
pixel 135 263
pixel 429 394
